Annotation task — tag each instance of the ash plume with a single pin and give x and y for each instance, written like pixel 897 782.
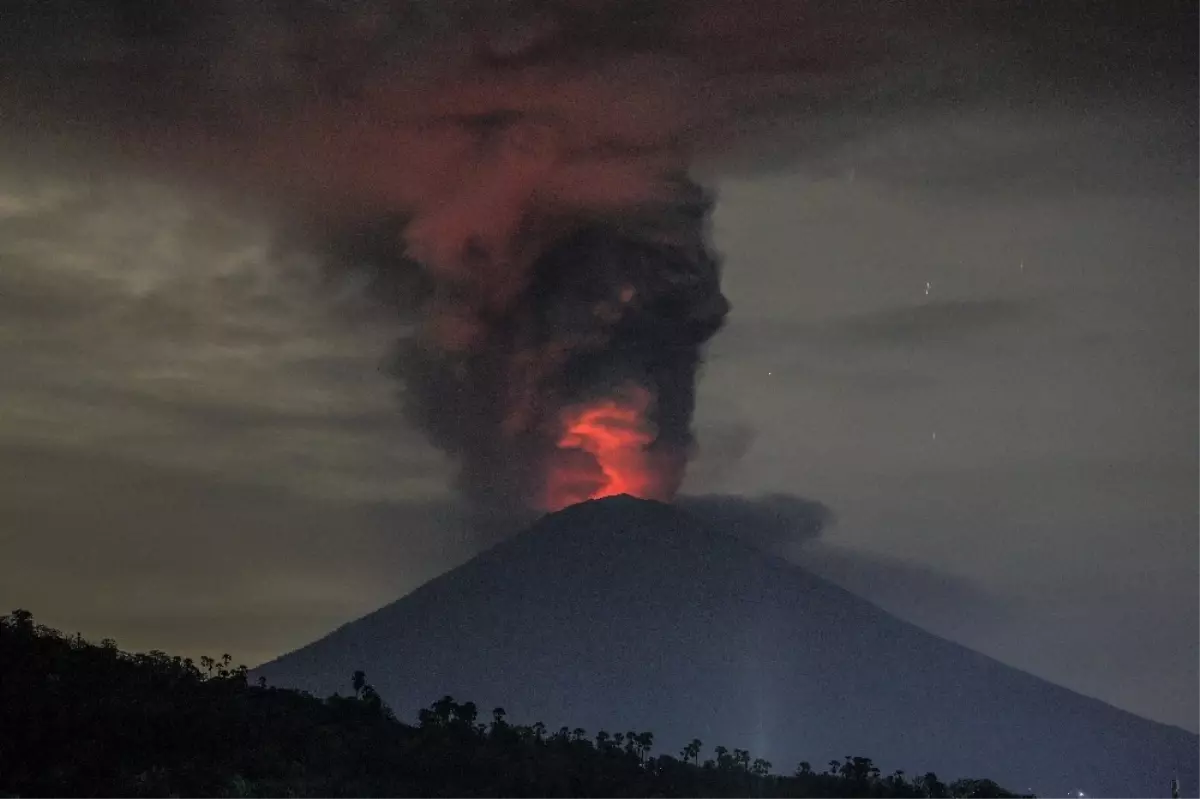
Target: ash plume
pixel 608 305
pixel 560 244
pixel 540 153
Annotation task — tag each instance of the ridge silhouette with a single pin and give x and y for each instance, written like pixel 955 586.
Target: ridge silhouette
pixel 630 612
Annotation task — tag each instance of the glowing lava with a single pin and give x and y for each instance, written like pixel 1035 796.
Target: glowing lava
pixel 602 452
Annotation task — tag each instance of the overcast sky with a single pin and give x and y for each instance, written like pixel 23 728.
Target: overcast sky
pixel 971 332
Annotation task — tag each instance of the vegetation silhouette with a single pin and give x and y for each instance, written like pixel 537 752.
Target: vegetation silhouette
pixel 79 719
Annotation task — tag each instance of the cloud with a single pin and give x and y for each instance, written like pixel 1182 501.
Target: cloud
pixel 771 521
pixel 196 562
pixel 938 600
pixel 793 527
pixel 575 105
pixel 168 327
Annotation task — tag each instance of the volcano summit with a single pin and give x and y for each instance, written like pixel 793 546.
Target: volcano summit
pixel 630 614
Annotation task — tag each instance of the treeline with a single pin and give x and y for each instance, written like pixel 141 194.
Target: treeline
pixel 79 719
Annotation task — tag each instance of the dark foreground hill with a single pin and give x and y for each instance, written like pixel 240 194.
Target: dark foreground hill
pixel 77 719
pixel 623 613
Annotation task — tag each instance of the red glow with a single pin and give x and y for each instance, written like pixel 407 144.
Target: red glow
pixel 602 453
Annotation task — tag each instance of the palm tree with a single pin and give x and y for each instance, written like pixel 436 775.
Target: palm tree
pixel 932 785
pixel 22 621
pixel 444 710
pixel 645 741
pixel 372 698
pixel 466 713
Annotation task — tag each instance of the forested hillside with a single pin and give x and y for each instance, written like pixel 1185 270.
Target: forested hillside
pixel 83 719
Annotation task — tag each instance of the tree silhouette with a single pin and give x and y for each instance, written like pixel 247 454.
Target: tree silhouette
pixel 78 719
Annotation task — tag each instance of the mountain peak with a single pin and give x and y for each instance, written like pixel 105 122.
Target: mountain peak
pixel 626 519
pixel 622 613
pixel 621 511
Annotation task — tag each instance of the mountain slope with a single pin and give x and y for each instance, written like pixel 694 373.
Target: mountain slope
pixel 623 614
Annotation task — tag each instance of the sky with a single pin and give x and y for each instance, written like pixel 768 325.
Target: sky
pixel 969 329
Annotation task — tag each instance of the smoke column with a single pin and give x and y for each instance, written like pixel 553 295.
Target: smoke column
pixel 582 383
pixel 541 153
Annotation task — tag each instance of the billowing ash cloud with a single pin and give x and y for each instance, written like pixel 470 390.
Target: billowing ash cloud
pixel 539 153
pixel 542 151
pixel 626 302
pixel 492 123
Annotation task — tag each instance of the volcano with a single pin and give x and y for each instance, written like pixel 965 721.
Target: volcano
pixel 625 614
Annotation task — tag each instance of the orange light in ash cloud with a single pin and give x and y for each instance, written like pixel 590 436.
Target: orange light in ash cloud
pixel 602 452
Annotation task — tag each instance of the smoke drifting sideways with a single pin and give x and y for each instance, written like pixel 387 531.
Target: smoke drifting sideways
pixel 771 522
pixel 555 251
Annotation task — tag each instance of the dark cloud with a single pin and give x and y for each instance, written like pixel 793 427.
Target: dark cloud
pixel 940 601
pixel 538 154
pixel 771 521
pixel 493 379
pixel 582 106
pixel 793 526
